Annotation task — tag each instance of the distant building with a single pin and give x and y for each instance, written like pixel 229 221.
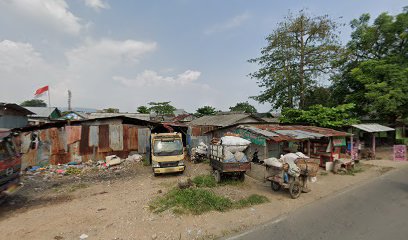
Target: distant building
pixel 225 119
pixel 13 116
pixel 73 115
pixel 43 115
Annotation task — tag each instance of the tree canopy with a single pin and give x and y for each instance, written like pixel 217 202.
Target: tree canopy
pixel 298 52
pixel 205 110
pixel 317 115
pixel 161 108
pixel 243 107
pixel 374 67
pixel 143 109
pixel 33 103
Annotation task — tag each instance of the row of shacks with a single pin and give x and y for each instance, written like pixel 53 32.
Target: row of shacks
pixel 79 141
pixel 94 139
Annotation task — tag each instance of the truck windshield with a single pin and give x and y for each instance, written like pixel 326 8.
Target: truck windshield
pixel 168 148
pixel 6 150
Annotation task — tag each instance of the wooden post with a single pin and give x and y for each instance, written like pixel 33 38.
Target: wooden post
pixel 308 147
pixel 351 146
pixel 374 146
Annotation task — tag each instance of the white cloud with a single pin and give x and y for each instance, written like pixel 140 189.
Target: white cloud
pixel 150 78
pixel 97 4
pixel 229 24
pixel 50 13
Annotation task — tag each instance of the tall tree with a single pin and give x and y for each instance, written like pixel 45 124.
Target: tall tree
pixel 33 103
pixel 206 110
pixel 374 68
pixel 161 108
pixel 317 115
pixel 298 52
pixel 243 107
pixel 143 109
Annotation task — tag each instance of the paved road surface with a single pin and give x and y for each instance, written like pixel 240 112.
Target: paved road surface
pixel 375 210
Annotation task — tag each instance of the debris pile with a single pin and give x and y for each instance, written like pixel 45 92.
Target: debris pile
pixel 110 163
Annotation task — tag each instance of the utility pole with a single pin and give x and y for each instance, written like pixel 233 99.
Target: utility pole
pixel 69 100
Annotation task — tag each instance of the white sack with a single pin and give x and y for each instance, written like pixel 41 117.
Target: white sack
pixel 228 155
pixel 232 140
pixel 235 149
pixel 274 162
pixel 239 156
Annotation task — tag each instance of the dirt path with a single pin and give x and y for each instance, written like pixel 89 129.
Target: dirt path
pixel 118 208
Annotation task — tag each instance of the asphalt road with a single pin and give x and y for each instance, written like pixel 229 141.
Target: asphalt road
pixel 375 210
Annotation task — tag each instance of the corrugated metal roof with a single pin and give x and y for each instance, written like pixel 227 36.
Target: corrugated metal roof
pixel 299 134
pixel 41 112
pixel 259 131
pixel 140 116
pixel 373 127
pixel 222 120
pixel 16 107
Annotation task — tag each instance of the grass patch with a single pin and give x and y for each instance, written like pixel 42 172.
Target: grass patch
pixel 197 201
pixel 73 171
pixel 145 162
pixel 324 173
pixel 254 199
pixel 353 171
pixel 209 181
pixel 204 181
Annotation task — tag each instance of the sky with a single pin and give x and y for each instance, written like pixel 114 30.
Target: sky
pixel 123 54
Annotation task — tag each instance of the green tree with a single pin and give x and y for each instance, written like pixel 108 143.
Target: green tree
pixel 161 108
pixel 373 67
pixel 243 107
pixel 317 115
pixel 206 110
pixel 318 96
pixel 143 109
pixel 33 103
pixel 298 53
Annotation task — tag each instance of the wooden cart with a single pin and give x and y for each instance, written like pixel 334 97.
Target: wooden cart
pixel 295 185
pixel 223 169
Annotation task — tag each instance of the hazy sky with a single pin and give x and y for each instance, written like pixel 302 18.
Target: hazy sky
pixel 117 53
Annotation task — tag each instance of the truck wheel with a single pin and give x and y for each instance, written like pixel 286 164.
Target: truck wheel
pixel 217 176
pixel 275 186
pixel 295 189
pixel 242 177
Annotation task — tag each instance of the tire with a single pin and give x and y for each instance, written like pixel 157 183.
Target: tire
pixel 275 186
pixel 295 189
pixel 217 176
pixel 241 177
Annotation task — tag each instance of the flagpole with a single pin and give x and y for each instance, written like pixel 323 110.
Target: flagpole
pixel 49 98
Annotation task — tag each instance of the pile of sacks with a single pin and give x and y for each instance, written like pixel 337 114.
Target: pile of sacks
pixel 234 148
pixel 294 164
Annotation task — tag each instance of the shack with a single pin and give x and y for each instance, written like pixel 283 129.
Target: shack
pixel 80 141
pixel 43 115
pixel 272 140
pixel 198 128
pixel 13 115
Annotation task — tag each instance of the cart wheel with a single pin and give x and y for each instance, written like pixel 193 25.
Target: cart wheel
pixel 275 186
pixel 295 189
pixel 217 176
pixel 242 177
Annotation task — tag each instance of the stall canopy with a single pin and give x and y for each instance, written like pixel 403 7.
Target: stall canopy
pixel 373 127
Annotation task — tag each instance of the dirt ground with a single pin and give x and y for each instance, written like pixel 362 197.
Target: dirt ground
pixel 114 205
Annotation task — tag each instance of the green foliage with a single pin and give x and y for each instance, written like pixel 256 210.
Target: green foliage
pixel 373 67
pixel 161 108
pixel 33 103
pixel 318 96
pixel 206 110
pixel 386 87
pixel 111 110
pixel 253 199
pixel 198 201
pixel 317 115
pixel 192 200
pixel 298 52
pixel 204 181
pixel 143 109
pixel 243 107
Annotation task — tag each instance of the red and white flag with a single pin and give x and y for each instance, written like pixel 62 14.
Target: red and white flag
pixel 40 92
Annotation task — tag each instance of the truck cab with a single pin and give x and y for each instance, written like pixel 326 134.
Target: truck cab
pixel 167 153
pixel 10 167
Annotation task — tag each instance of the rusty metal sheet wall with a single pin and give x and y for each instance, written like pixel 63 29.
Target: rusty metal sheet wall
pixel 84 148
pixel 133 138
pixel 104 138
pixel 93 136
pixel 73 134
pixel 116 137
pixel 126 140
pixel 143 137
